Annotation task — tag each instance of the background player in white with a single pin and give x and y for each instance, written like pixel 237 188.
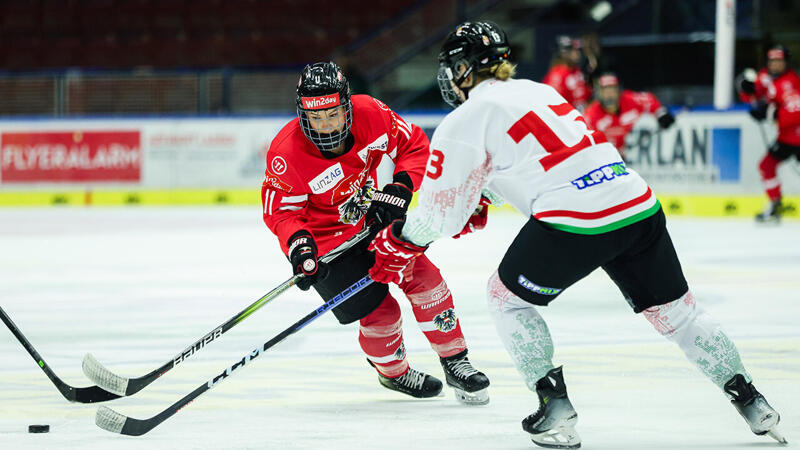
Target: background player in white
pixel 523 141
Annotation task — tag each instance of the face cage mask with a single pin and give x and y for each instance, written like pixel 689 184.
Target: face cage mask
pixel 326 141
pixel 447 85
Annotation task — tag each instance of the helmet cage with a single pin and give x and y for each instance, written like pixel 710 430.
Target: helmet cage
pixel 323 140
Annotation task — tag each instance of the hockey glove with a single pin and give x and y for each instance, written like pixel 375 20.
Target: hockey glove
pixel 665 120
pixel 759 111
pixel 394 256
pixel 477 220
pixel 388 205
pixel 746 82
pixel 303 256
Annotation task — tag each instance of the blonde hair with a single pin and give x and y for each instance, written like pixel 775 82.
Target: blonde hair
pixel 501 71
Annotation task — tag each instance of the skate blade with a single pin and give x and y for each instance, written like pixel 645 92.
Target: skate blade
pixel 562 437
pixel 773 433
pixel 476 398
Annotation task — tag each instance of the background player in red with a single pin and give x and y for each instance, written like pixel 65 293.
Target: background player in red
pixel 565 74
pixel 615 113
pixel 320 189
pixel 778 86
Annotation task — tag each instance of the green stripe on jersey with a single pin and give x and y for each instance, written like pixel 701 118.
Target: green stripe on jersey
pixel 610 227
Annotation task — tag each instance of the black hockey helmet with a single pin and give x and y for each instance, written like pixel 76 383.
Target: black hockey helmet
pixel 470 47
pixel 323 86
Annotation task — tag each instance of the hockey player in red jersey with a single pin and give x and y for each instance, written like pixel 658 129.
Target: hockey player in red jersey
pixel 320 189
pixel 565 74
pixel 615 113
pixel 521 141
pixel 776 86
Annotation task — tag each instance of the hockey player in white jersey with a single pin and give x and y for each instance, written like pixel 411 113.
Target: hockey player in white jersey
pixel 522 141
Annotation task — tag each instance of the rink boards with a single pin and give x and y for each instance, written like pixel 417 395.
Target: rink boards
pixel 705 165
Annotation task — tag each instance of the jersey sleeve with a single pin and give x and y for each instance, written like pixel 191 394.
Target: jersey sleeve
pixel 649 102
pixel 283 206
pixel 413 149
pixel 456 174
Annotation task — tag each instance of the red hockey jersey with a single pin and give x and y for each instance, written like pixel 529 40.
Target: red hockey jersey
pixel 784 93
pixel 616 126
pixel 327 196
pixel 569 82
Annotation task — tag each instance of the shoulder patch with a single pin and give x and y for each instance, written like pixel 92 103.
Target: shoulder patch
pixel 278 165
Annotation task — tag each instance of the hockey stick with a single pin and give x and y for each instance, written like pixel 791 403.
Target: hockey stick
pixel 91 394
pixel 128 386
pixel 110 420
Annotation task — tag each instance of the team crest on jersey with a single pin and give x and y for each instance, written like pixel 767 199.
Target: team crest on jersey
pixel 446 320
pixel 355 207
pixel 327 179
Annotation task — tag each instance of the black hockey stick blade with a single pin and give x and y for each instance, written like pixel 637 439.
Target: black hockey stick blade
pixel 112 421
pixel 122 386
pixel 90 394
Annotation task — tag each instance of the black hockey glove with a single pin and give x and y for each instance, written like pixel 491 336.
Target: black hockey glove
pixel 388 205
pixel 747 86
pixel 303 256
pixel 759 111
pixel 665 120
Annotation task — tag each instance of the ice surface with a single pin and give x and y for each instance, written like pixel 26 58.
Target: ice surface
pixel 134 286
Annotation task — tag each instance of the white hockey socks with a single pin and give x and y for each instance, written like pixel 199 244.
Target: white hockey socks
pixel 699 336
pixel 522 330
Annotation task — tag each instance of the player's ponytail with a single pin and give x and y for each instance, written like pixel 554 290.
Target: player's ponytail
pixel 501 71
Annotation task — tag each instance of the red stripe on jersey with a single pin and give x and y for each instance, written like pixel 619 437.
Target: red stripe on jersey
pixel 597 214
pixel 562 109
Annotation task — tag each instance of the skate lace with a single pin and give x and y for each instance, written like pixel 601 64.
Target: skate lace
pixel 462 368
pixel 412 379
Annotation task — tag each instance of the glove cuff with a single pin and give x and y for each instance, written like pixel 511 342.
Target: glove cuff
pixel 396 233
pixel 299 239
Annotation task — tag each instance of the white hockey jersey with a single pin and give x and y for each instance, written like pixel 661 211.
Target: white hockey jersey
pixel 523 141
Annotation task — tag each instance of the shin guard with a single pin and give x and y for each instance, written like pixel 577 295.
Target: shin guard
pixel 522 330
pixel 699 336
pixel 381 338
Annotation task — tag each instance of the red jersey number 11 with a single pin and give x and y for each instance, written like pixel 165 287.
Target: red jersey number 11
pixel 532 124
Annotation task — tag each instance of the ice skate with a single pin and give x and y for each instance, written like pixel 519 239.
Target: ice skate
pixel 413 383
pixel 553 424
pixel 772 214
pixel 753 407
pixel 469 384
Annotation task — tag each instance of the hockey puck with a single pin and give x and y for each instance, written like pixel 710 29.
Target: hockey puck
pixel 38 428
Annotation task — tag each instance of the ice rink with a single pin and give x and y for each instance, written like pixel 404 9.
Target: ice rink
pixel 134 286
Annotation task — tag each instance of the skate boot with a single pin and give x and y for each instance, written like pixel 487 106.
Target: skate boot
pixel 413 383
pixel 772 214
pixel 753 407
pixel 553 424
pixel 469 384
